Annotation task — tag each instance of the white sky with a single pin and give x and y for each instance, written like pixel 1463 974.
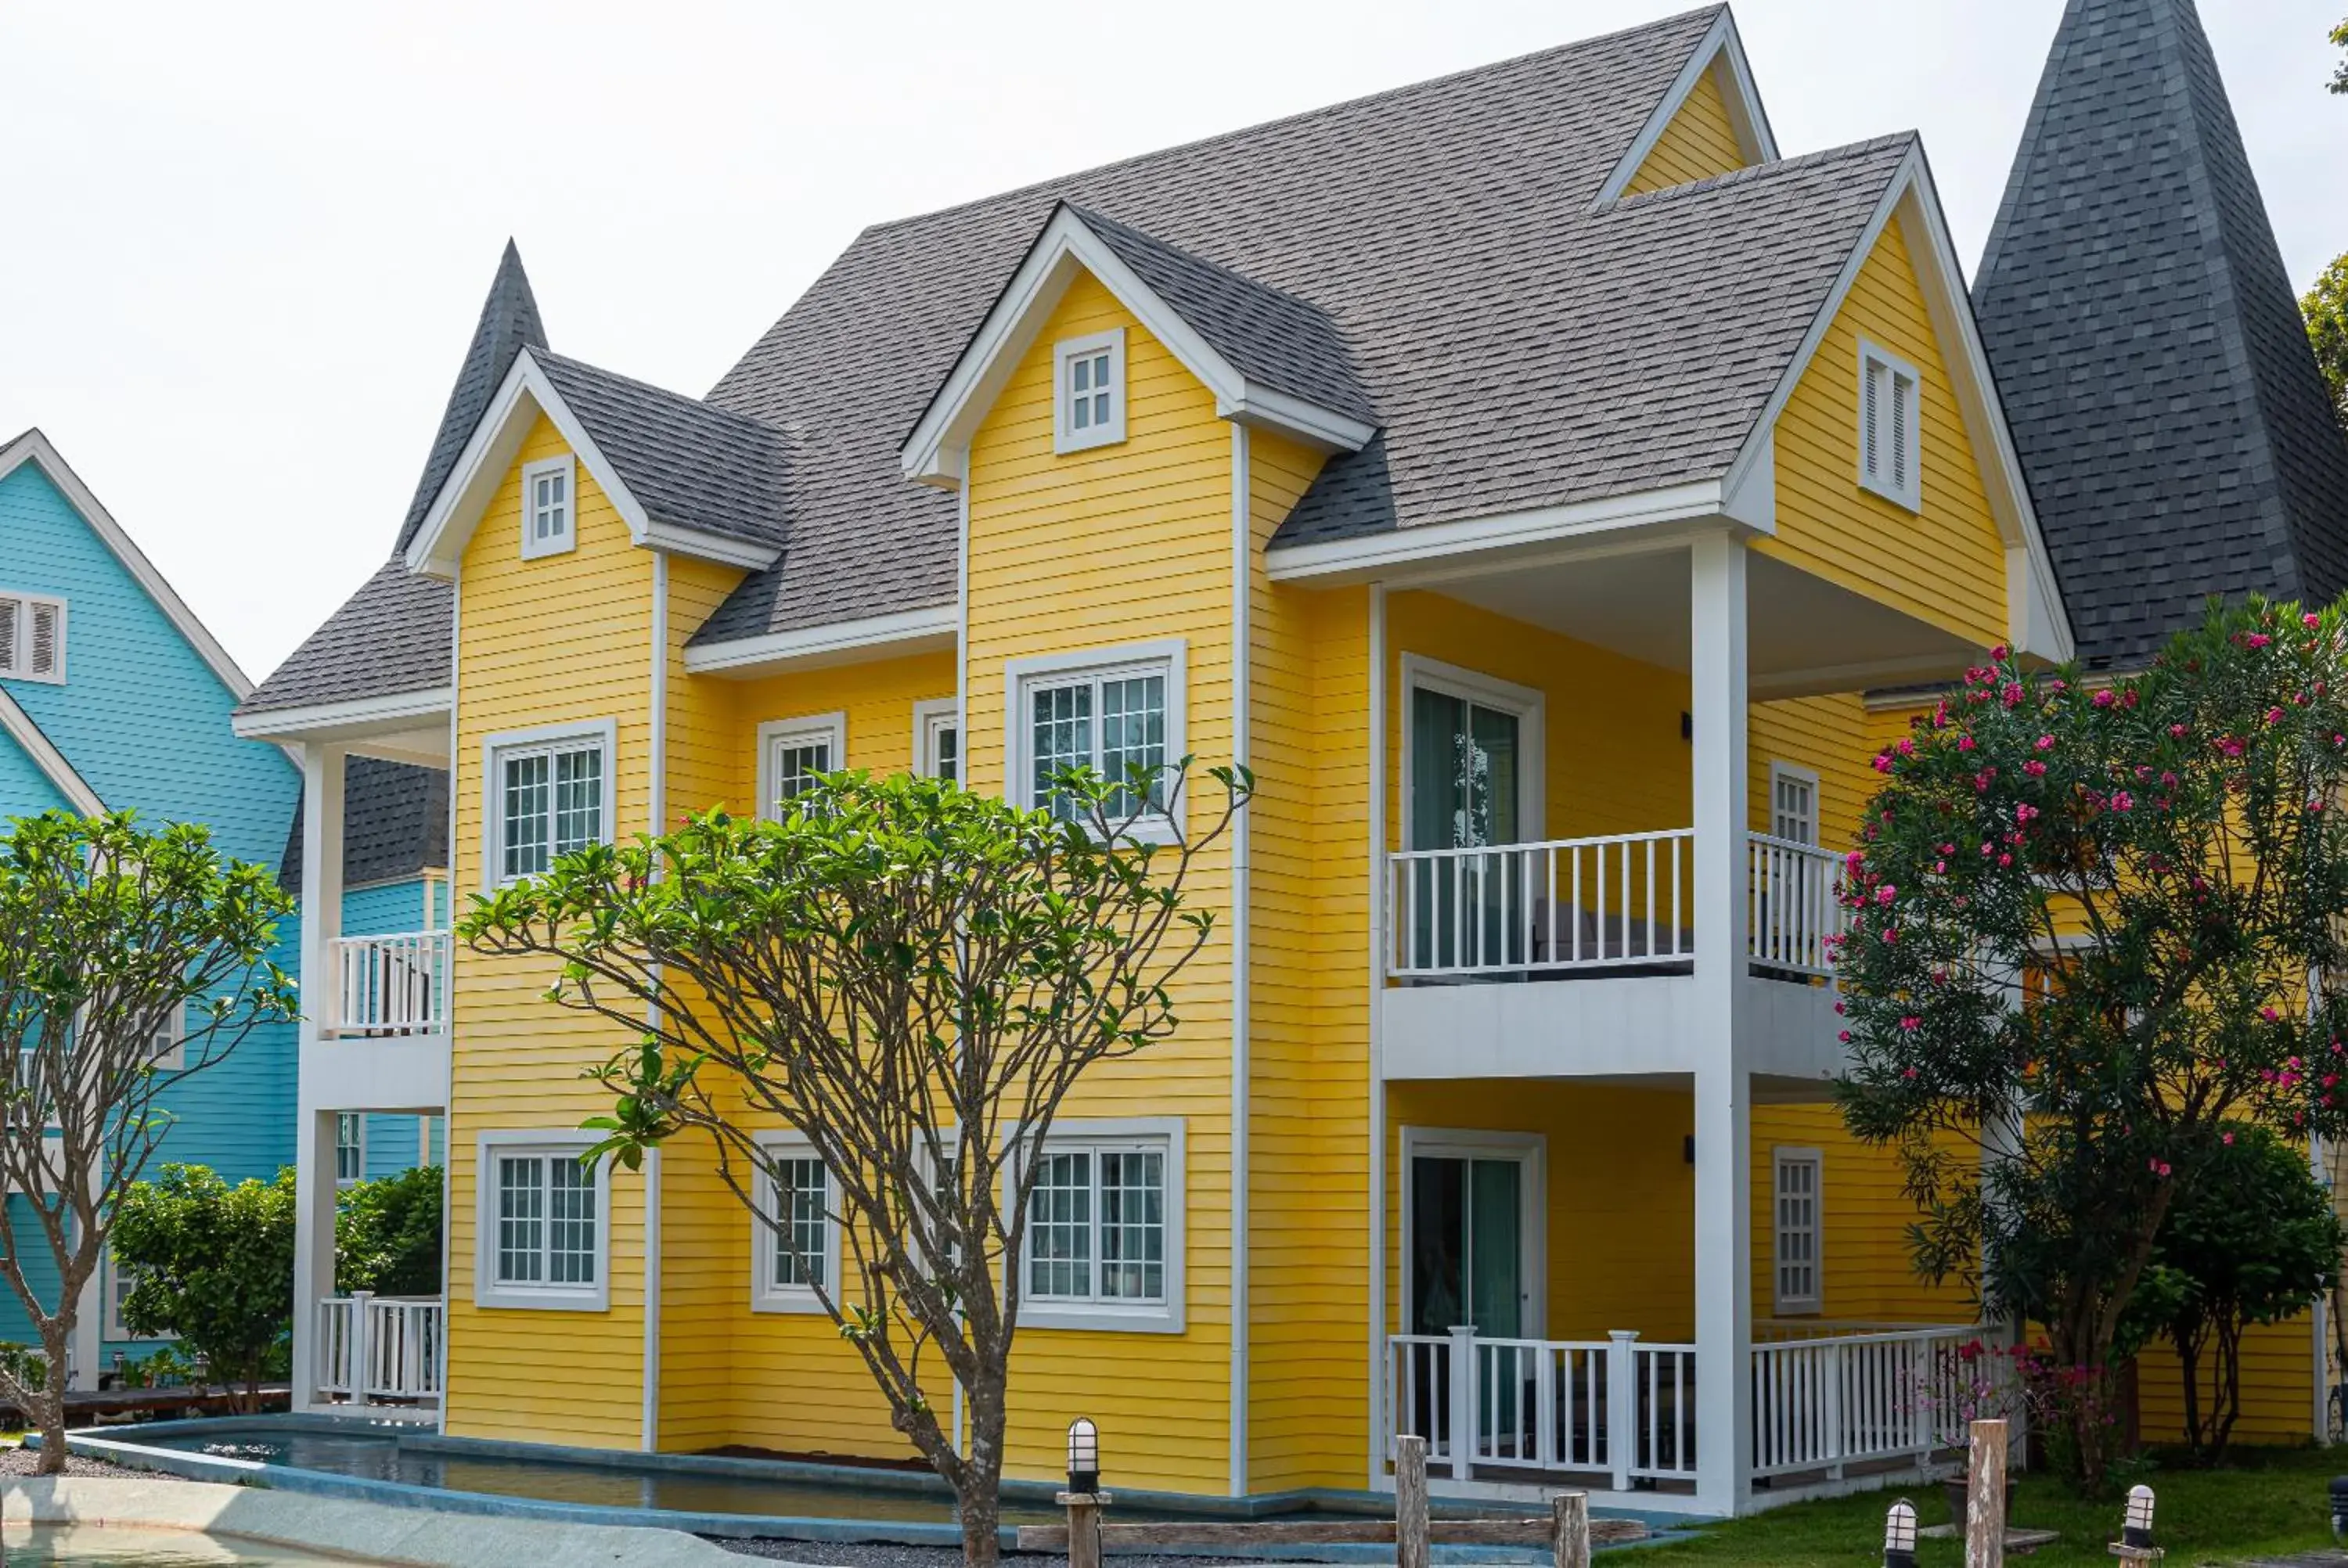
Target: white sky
pixel 244 244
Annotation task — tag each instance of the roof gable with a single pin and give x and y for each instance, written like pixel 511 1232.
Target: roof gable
pixel 2150 354
pixel 1715 85
pixel 1269 359
pixel 509 323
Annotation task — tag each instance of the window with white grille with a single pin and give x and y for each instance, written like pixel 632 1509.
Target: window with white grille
pixel 937 739
pixel 1090 407
pixel 350 1147
pixel 1793 804
pixel 1799 1288
pixel 542 1239
pixel 32 638
pixel 549 508
pixel 1890 434
pixel 794 752
pixel 1113 721
pixel 1104 1227
pixel 795 1238
pixel 550 793
pixel 167 1050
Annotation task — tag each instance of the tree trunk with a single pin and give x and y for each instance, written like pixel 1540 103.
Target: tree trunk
pixel 979 1498
pixel 51 1415
pixel 2227 1397
pixel 2189 1362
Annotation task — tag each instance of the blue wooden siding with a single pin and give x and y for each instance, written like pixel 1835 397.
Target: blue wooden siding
pixel 25 789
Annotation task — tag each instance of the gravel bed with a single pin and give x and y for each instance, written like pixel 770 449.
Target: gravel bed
pixel 27 1461
pixel 845 1555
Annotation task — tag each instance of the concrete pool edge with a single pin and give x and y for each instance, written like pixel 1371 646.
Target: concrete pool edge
pixel 363 1531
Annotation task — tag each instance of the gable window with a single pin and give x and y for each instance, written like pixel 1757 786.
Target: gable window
pixel 350 1148
pixel 796 1241
pixel 794 752
pixel 1089 410
pixel 937 739
pixel 1889 435
pixel 543 1231
pixel 1797 1230
pixel 1104 1244
pixel 1793 804
pixel 32 638
pixel 549 508
pixel 1112 712
pixel 550 793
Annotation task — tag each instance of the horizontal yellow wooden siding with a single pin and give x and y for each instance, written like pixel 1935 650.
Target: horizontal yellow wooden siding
pixel 1944 566
pixel 1115 545
pixel 1699 142
pixel 561 639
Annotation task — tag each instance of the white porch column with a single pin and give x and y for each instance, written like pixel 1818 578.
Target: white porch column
pixel 313 1179
pixel 1723 1278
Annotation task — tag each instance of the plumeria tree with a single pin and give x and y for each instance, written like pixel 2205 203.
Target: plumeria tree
pixel 2084 921
pixel 913 977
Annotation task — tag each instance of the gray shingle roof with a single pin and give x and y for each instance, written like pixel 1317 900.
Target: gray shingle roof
pixel 686 462
pixel 395 824
pixel 2147 349
pixel 1267 336
pixel 1518 350
pixel 509 323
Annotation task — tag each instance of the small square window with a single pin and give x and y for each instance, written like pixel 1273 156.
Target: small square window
pixel 541 1225
pixel 1797 1230
pixel 794 752
pixel 1889 433
pixel 32 638
pixel 1793 804
pixel 549 508
pixel 1089 405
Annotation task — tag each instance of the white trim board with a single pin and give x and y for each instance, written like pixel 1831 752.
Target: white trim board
pixel 18 725
pixel 1407 556
pixel 359 716
pixel 603 732
pixel 480 469
pixel 33 448
pixel 890 635
pixel 1719 51
pixel 938 450
pixel 490 1294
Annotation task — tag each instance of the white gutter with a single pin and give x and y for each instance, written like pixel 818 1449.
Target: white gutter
pixel 657 796
pixel 1377 816
pixel 1242 581
pixel 448 1085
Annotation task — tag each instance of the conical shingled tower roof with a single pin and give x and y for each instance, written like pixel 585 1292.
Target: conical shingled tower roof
pixel 2148 347
pixel 509 323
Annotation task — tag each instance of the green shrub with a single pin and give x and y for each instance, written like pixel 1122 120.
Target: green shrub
pixel 387 1234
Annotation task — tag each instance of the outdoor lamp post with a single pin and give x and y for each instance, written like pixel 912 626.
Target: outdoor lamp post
pixel 2340 1508
pixel 2134 1544
pixel 1084 1456
pixel 1899 1535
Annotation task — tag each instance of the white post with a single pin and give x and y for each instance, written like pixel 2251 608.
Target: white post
pixel 1463 1401
pixel 1723 1278
pixel 322 922
pixel 1621 1404
pixel 362 1351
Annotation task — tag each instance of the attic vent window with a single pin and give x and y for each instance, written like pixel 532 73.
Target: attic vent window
pixel 1889 427
pixel 1090 408
pixel 32 638
pixel 548 507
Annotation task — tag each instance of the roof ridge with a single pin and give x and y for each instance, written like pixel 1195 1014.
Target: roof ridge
pixel 640 384
pixel 1752 173
pixel 1303 117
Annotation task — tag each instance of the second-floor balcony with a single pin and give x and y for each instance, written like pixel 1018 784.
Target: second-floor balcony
pixel 387 985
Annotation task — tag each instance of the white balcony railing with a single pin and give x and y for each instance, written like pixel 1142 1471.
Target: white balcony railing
pixel 376 1349
pixel 390 985
pixel 1586 905
pixel 1625 1409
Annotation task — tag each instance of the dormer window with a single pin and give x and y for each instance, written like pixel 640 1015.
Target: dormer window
pixel 32 638
pixel 1090 411
pixel 548 507
pixel 1888 433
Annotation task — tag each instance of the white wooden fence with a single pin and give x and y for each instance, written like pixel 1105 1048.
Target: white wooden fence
pixel 1623 1408
pixel 1590 903
pixel 373 1348
pixel 390 985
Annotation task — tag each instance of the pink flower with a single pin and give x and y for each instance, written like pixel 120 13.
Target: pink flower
pixel 1891 933
pixel 2122 799
pixel 1883 762
pixel 2230 1140
pixel 2013 694
pixel 2257 640
pixel 1939 869
pixel 1907 746
pixel 1965 743
pixel 2004 860
pixel 2310 620
pixel 2274 715
pixel 1998 653
pixel 2024 812
pixel 2106 698
pixel 2267 1014
pixel 1886 894
pixel 2045 742
pixel 1843 1035
pixel 2034 768
pixel 1855 859
pixel 1912 1022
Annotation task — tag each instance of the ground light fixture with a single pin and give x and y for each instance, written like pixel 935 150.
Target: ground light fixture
pixel 2340 1508
pixel 1084 1456
pixel 1899 1535
pixel 2134 1544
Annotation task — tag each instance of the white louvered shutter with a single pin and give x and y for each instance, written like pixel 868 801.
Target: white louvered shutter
pixel 11 618
pixel 45 646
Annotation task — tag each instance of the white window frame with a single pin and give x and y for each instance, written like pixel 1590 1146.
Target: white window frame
pixel 495 748
pixel 1787 1304
pixel 532 547
pixel 1881 478
pixel 1164 1135
pixel 111 1291
pixel 1065 436
pixel 1528 703
pixel 1807 777
pixel 359 1118
pixel 766 1295
pixel 20 651
pixel 1530 1150
pixel 548 1142
pixel 175 1059
pixel 1165 656
pixel 831 729
pixel 930 718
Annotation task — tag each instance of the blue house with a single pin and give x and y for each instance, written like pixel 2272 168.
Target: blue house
pixel 114 697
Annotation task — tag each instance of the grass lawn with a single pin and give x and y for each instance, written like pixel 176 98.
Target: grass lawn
pixel 2269 1502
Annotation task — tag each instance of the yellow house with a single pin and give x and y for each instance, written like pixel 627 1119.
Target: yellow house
pixel 1526 473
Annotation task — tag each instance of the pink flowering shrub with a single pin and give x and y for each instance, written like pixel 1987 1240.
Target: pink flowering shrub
pixel 2111 970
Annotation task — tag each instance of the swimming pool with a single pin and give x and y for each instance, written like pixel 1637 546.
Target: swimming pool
pixel 117 1546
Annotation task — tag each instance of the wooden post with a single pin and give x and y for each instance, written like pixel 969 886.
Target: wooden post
pixel 1410 1502
pixel 1986 1496
pixel 1569 1529
pixel 1084 1527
